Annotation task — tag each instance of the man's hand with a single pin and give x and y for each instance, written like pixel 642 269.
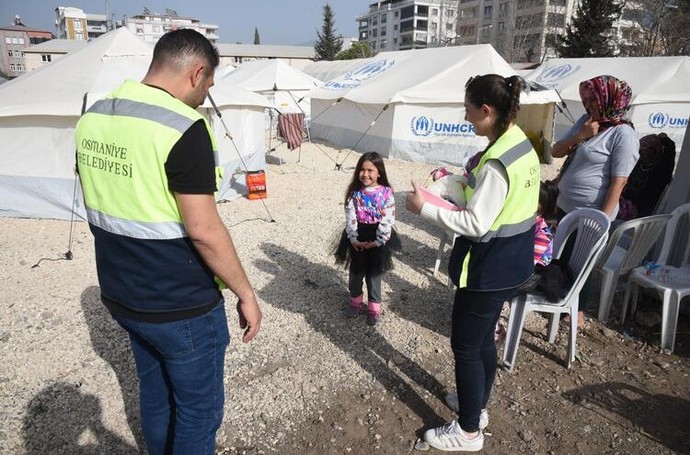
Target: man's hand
pixel 414 200
pixel 250 317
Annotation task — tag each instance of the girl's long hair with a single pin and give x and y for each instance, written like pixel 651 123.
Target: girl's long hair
pixel 355 184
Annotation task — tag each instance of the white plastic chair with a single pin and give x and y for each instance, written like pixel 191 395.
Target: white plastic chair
pixel 671 282
pixel 592 232
pixel 446 237
pixel 617 261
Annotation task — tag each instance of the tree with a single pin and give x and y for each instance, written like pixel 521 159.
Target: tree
pixel 357 50
pixel 257 40
pixel 588 35
pixel 658 28
pixel 328 44
pixel 674 28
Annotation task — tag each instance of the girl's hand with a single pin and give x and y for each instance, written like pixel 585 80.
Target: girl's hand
pixel 359 246
pixel 414 200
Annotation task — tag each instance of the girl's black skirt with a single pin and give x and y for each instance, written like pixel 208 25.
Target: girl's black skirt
pixel 372 261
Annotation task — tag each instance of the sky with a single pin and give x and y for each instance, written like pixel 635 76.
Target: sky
pixel 285 22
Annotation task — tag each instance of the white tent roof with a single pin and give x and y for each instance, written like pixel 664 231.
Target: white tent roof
pixel 423 76
pixel 269 75
pixel 652 79
pixel 58 88
pixel 97 68
pixel 325 70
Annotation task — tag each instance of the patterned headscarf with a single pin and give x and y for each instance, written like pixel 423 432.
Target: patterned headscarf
pixel 612 96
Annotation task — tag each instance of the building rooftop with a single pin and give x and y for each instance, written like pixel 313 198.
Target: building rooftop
pixel 57 46
pixel 22 28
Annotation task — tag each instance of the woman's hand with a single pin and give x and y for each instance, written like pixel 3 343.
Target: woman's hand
pixel 414 200
pixel 588 130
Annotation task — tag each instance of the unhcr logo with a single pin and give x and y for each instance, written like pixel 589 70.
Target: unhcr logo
pixel 421 126
pixel 353 79
pixel 425 126
pixel 663 120
pixel 551 75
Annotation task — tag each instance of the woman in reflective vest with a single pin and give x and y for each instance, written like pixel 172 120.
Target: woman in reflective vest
pixel 493 253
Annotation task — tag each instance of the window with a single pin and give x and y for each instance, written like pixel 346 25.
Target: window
pixel 140 30
pixel 450 12
pixel 422 25
pixel 503 9
pixel 46 57
pixel 449 26
pixel 156 29
pixel 395 14
pixel 488 12
pixel 406 26
pixel 383 44
pixel 383 31
pixel 12 67
pixel 79 36
pixel 8 40
pixel 384 18
pixel 395 40
pixel 21 40
pixel 407 12
pixel 395 27
pixel 10 53
pixel 434 11
pixel 78 25
pixel 501 26
pixel 374 33
pixel 15 40
pixel 555 20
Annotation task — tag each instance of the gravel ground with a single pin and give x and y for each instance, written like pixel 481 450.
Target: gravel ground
pixel 314 381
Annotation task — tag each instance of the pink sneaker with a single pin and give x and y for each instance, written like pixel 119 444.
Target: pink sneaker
pixel 499 333
pixel 354 307
pixel 373 313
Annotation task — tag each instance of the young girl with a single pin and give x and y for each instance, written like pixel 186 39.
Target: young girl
pixel 546 210
pixel 368 237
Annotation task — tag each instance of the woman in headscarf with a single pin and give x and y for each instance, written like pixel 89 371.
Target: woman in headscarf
pixel 647 181
pixel 602 149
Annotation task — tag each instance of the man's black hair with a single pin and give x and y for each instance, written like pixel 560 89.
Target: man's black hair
pixel 177 45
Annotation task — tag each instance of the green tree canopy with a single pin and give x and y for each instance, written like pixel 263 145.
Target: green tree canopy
pixel 357 50
pixel 327 44
pixel 588 35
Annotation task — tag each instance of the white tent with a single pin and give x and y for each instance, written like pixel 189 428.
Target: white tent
pixel 39 111
pixel 660 87
pixel 416 99
pixel 325 70
pixel 284 86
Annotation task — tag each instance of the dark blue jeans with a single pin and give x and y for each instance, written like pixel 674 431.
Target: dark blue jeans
pixel 475 315
pixel 180 368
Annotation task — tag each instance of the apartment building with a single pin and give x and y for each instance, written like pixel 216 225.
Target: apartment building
pixel 150 26
pixel 408 24
pixel 14 39
pixel 75 24
pixel 520 30
pixel 44 53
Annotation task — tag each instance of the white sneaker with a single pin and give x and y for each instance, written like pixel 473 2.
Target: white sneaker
pixel 451 438
pixel 452 402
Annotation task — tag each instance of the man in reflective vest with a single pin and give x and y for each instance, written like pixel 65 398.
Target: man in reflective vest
pixel 147 165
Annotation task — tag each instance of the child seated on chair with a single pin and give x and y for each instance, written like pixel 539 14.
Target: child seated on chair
pixel 543 236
